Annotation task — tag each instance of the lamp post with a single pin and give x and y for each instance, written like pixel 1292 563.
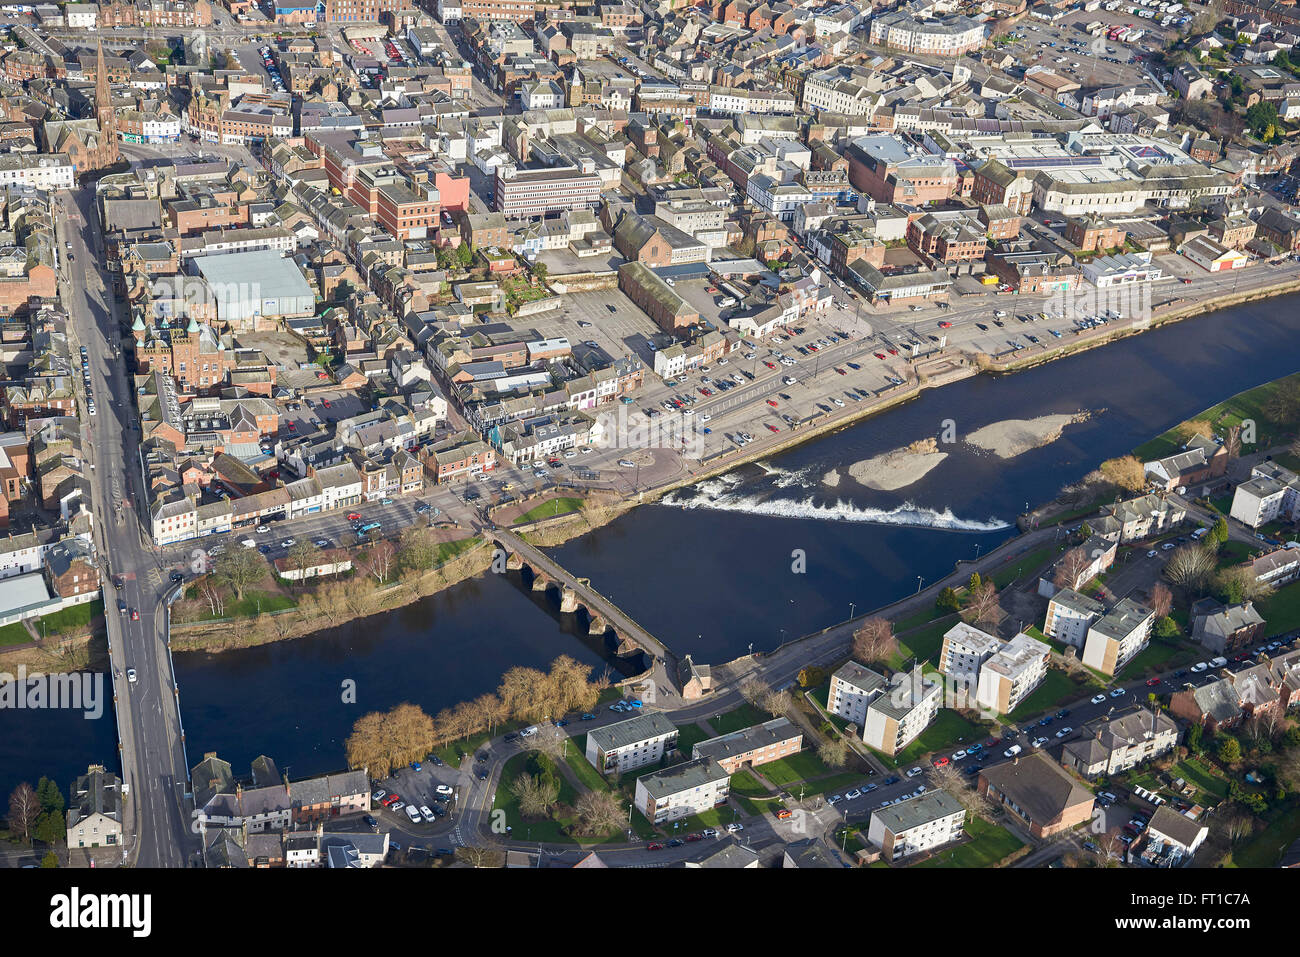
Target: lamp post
pixel 919 580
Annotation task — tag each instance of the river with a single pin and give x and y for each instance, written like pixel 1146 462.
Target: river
pixel 761 555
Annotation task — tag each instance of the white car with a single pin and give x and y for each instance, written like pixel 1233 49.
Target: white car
pixel 834 799
pixel 428 815
pixel 733 828
pixel 443 789
pixel 289 543
pixel 263 529
pixel 1200 666
pixel 130 675
pixel 704 416
pixel 529 731
pixel 627 463
pixel 413 813
pixel 1012 751
pixel 1098 698
pixel 1152 553
pixel 1064 731
pixel 249 543
pixel 1037 742
pixel 570 454
pixel 913 772
pixel 958 755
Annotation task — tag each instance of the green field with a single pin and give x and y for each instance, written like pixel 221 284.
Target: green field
pixel 1026 564
pixel 688 736
pixel 1281 610
pixel 948 729
pixel 923 643
pixel 743 717
pixel 73 619
pixel 14 634
pixel 1057 687
pixel 1159 655
pixel 988 844
pixel 556 506
pixel 1244 405
pixel 804 766
pixel 1266 847
pixel 543 830
pixel 449 550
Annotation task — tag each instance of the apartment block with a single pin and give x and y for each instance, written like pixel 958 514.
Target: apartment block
pixel 682 791
pixel 750 747
pixel 1011 674
pixel 965 649
pixel 1070 615
pixel 1117 636
pixel 853 687
pixel 898 715
pixel 627 745
pixel 1272 492
pixel 917 825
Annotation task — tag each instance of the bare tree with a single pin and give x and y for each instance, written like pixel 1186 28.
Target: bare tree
pixel 834 752
pixel 378 560
pixel 984 605
pixel 1232 441
pixel 599 813
pixel 777 703
pixel 301 557
pixel 535 794
pixel 481 856
pixel 874 641
pixel 950 778
pixel 1126 472
pixel 1161 600
pixel 755 691
pixel 210 593
pixel 1190 567
pixel 1069 567
pixel 240 569
pixel 24 809
pixel 417 550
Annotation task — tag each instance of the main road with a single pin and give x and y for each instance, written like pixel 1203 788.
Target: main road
pixel 152 750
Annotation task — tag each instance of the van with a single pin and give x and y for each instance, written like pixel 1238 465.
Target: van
pixel 528 732
pixel 1218 662
pixel 1199 533
pixel 248 543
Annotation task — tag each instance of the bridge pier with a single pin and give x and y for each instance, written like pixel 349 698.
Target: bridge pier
pixel 568 599
pixel 540 581
pixel 513 562
pixel 626 646
pixel 596 625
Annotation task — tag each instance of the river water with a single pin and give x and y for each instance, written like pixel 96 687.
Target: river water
pixel 761 555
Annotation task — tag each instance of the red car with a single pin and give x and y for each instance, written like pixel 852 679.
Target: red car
pixel 325 402
pixel 322 375
pixel 692 838
pixel 654 847
pixel 354 516
pixel 812 348
pixel 707 391
pixel 1188 281
pixel 135 614
pixel 945 324
pixel 880 355
pixel 1152 682
pixel 941 762
pixel 772 403
pixel 840 371
pixel 390 800
pixel 784 813
pixel 893 351
pixel 770 365
pixel 772 428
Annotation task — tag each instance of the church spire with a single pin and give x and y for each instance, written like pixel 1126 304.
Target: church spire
pixel 104 113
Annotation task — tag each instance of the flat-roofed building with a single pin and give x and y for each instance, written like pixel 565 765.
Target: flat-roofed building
pixel 1117 636
pixel 965 649
pixel 1011 674
pixel 682 791
pixel 897 716
pixel 916 825
pixel 627 745
pixel 853 687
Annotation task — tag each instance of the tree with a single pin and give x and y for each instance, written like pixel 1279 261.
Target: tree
pixel 1161 599
pixel 1194 735
pixel 984 605
pixel 1166 627
pixel 239 569
pixel 1229 749
pixel 1085 532
pixel 1232 442
pixel 834 752
pixel 1283 403
pixel 536 794
pixel 948 602
pixel 1070 566
pixel 24 808
pixel 301 557
pixel 975 583
pixel 874 641
pixel 464 255
pixel 378 560
pixel 810 676
pixel 50 859
pixel 1126 472
pixel 476 856
pixel 1237 583
pixel 210 593
pixel 541 271
pixel 777 703
pixel 599 813
pixel 417 550
pixel 384 740
pixel 755 691
pixel 1218 533
pixel 1186 431
pixel 1190 567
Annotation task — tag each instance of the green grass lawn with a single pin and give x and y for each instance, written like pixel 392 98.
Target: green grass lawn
pixel 72 619
pixel 923 643
pixel 543 830
pixel 947 729
pixel 745 788
pixel 1244 405
pixel 804 766
pixel 1026 564
pixel 590 778
pixel 1281 610
pixel 14 634
pixel 743 717
pixel 688 736
pixel 1196 772
pixel 1222 504
pixel 1266 847
pixel 1057 687
pixel 989 843
pixel 556 506
pixel 1234 553
pixel 449 550
pixel 253 603
pixel 916 620
pixel 1159 655
pixel 1058 646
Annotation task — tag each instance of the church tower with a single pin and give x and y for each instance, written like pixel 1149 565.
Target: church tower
pixel 107 150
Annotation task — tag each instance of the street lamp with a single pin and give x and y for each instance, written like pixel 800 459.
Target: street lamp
pixel 919 580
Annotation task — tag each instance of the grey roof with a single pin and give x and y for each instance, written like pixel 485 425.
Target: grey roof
pixel 641 727
pixel 683 777
pixel 860 676
pixel 1038 786
pixel 747 739
pixel 930 806
pixel 1175 826
pixel 321 790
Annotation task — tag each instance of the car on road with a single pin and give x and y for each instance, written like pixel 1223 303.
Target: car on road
pixel 852 795
pixel 354 517
pixel 1098 698
pixel 709 832
pixel 121 607
pixel 428 815
pixel 734 827
pixel 370 822
pixel 588 716
pixel 945 324
pixel 1118 693
pixel 263 529
pixel 288 543
pixel 135 614
pixel 913 772
pixel 1063 713
pixel 1038 742
pixel 656 846
pixel 416 766
pixel 834 799
pixel 130 675
pixel 892 779
pixel 627 463
pixel 1152 682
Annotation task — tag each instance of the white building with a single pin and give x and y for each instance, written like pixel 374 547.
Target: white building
pixel 1272 492
pixel 852 688
pixel 1012 674
pixel 682 791
pixel 917 825
pixel 627 745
